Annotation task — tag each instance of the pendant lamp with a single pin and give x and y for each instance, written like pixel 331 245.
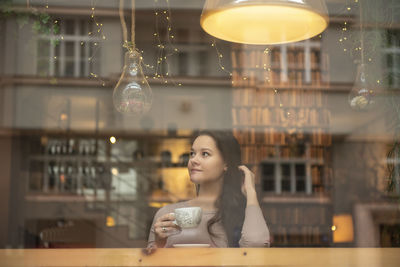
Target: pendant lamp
pixel 362 94
pixel 264 21
pixel 132 94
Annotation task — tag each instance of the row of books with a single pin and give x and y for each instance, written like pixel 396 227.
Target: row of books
pixel 317 176
pixel 315 58
pixel 281 117
pixel 263 97
pixel 318 152
pixel 261 77
pixel 256 154
pixel 254 58
pixel 250 59
pixel 299 236
pixel 270 136
pixel 304 215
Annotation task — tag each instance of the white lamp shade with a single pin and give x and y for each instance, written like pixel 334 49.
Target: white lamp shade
pixel 264 21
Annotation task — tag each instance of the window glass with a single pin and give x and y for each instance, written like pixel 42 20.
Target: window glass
pixel 100 108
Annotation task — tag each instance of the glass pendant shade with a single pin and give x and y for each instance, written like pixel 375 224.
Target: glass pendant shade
pixel 361 96
pixel 132 94
pixel 264 21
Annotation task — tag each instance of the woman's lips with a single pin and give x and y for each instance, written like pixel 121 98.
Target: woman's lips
pixel 195 170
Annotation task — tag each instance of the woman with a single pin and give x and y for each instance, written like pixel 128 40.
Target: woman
pixel 226 193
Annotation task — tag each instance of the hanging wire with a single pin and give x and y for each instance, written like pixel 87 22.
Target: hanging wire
pixel 130 45
pixel 133 24
pixel 361 31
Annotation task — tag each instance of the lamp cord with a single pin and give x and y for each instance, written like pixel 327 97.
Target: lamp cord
pixel 133 24
pixel 128 45
pixel 361 32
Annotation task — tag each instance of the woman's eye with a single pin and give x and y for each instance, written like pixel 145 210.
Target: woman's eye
pixel 206 154
pixel 192 154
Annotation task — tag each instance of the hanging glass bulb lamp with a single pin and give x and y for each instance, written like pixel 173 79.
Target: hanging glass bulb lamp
pixel 264 21
pixel 362 94
pixel 132 94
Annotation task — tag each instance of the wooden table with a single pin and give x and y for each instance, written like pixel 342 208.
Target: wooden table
pixel 324 257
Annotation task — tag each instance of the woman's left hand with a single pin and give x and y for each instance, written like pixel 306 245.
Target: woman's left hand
pixel 248 185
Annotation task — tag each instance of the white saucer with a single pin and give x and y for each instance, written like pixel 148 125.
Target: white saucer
pixel 191 245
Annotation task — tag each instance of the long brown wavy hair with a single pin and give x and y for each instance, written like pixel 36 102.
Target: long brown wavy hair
pixel 230 203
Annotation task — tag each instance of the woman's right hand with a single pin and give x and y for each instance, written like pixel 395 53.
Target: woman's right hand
pixel 165 227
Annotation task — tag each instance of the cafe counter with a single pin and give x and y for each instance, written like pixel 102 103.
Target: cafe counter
pixel 326 257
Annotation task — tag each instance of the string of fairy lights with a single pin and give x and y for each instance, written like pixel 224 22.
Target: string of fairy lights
pixel 166 49
pixel 98 31
pixel 164 43
pixel 345 40
pixel 264 67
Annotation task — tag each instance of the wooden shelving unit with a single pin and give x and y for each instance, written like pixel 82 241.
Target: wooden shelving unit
pixel 281 120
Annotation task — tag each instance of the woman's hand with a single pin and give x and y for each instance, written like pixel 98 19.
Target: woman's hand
pixel 248 186
pixel 165 227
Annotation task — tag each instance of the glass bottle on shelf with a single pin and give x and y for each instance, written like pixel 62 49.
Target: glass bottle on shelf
pixel 57 147
pixel 70 181
pixel 71 146
pixel 93 147
pixel 61 176
pixel 79 179
pixel 52 147
pixel 52 176
pixel 64 147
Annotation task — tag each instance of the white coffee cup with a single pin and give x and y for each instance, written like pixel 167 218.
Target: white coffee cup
pixel 188 217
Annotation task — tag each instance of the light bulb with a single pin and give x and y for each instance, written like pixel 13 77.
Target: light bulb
pixel 361 96
pixel 132 95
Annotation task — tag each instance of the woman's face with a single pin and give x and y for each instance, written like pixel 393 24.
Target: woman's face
pixel 206 163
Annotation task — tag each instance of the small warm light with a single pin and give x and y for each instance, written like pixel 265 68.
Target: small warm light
pixel 113 140
pixel 63 117
pixel 114 171
pixel 343 228
pixel 110 222
pixel 62 178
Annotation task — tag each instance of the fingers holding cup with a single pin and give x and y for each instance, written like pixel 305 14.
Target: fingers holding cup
pixel 165 226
